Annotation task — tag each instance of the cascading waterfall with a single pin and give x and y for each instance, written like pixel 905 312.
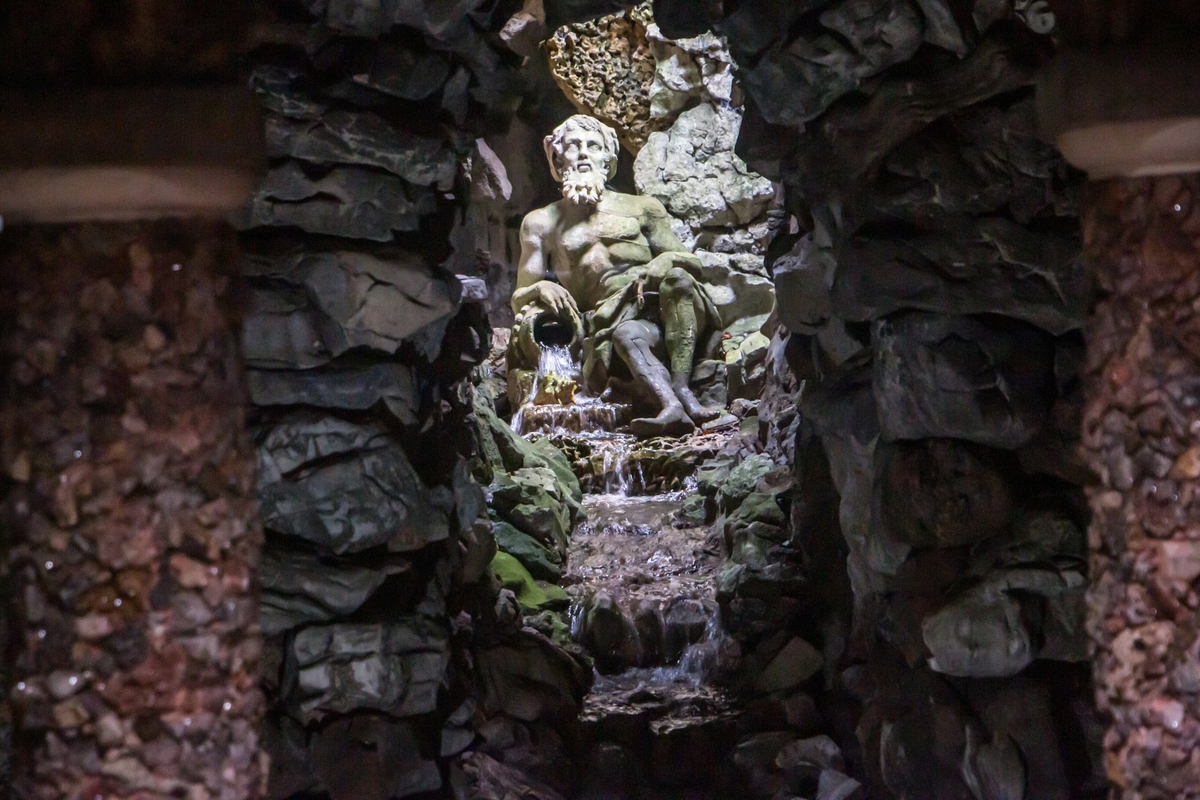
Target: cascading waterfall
pixel 641 581
pixel 554 361
pixel 659 622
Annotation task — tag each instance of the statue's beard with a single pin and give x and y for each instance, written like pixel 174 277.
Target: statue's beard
pixel 583 188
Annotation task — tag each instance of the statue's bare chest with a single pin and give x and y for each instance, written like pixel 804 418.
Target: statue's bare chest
pixel 601 229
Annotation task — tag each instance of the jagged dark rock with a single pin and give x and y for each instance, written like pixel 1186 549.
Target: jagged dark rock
pixel 360 499
pixel 394 667
pixel 313 307
pixel 299 587
pixel 984 381
pixel 346 388
pixel 354 202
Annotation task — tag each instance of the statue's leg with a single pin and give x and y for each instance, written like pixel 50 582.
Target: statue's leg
pixel 681 327
pixel 634 341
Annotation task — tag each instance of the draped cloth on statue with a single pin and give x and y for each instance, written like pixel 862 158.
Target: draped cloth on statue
pixel 629 295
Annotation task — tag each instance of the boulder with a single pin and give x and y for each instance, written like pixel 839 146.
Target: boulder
pixel 967 269
pixel 803 277
pixel 528 677
pixel 531 594
pixel 693 170
pixel 754 759
pixel 743 480
pixel 941 493
pixel 988 163
pixel 310 308
pixel 1015 615
pixel 364 498
pixel 395 667
pixel 353 202
pixel 737 294
pixel 835 154
pixel 372 757
pixel 532 499
pixel 688 68
pixel 793 665
pixel 754 528
pixel 339 387
pixel 362 139
pixel 833 784
pixel 610 636
pixel 406 73
pixel 299 587
pixel 856 39
pixel 543 563
pixel 503 450
pixel 488 779
pixel 305 436
pixel 986 381
pixel 809 757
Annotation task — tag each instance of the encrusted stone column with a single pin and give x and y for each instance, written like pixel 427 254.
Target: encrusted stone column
pixel 129 533
pixel 1121 101
pixel 1142 436
pixel 131 512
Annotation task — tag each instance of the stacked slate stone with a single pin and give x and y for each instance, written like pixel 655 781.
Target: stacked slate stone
pixel 389 639
pixel 933 292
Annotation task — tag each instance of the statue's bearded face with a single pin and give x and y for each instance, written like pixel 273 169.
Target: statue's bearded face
pixel 584 159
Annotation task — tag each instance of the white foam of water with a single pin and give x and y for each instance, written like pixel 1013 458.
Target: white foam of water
pixel 553 360
pixel 694 667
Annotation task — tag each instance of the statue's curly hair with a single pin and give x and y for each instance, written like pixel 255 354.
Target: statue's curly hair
pixel 554 142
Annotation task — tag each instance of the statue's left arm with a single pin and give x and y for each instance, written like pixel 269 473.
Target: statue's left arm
pixel 664 244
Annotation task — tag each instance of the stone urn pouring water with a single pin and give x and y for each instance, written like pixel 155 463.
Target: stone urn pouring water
pixel 544 338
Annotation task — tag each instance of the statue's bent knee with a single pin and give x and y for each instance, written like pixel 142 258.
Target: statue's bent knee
pixel 677 283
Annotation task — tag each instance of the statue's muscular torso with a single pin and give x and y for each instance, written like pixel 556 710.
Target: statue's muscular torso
pixel 591 250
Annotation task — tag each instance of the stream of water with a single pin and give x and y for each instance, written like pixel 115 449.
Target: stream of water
pixel 641 582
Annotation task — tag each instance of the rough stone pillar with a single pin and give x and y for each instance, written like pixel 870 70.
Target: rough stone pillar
pixel 1121 101
pixel 134 538
pixel 1142 436
pixel 129 534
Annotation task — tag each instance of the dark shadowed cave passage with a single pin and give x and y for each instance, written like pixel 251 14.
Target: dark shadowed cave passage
pixel 937 545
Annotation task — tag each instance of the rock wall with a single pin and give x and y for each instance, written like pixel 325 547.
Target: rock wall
pixel 1141 235
pixel 390 641
pixel 131 540
pixel 931 292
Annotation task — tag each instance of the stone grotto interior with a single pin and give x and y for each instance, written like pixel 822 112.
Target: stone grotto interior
pixel 589 400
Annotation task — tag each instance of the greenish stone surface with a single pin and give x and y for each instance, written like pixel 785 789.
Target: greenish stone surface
pixel 542 562
pixel 530 593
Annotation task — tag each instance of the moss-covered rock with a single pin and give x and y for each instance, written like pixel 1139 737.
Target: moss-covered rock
pixel 532 594
pixel 543 562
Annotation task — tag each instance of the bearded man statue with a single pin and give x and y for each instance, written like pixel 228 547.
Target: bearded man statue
pixel 609 264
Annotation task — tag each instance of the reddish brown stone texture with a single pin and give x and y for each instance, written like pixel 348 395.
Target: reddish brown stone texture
pixel 1141 433
pixel 131 505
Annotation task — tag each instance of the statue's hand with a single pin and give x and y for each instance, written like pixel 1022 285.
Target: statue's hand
pixel 557 299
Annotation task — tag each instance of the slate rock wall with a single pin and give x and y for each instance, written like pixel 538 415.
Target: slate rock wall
pixel 929 281
pixel 390 643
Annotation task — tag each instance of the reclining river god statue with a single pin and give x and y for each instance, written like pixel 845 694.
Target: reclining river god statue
pixel 608 266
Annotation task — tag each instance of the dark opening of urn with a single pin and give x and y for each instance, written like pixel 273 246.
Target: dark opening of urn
pixel 551 331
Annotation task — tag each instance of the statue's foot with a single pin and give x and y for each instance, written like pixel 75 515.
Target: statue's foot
pixel 700 414
pixel 673 421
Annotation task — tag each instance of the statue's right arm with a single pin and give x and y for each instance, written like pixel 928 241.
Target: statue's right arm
pixel 532 283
